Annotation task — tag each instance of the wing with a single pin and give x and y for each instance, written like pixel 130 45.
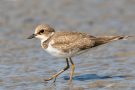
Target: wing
pixel 106 39
pixel 68 41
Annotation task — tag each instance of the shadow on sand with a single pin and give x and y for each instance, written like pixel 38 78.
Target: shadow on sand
pixel 92 76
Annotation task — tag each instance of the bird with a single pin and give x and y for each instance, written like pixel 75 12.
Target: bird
pixel 67 44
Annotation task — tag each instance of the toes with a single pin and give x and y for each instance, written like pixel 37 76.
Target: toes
pixel 48 79
pixel 54 80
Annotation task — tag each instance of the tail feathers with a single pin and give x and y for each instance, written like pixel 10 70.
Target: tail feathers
pixel 126 37
pixel 120 37
pixel 107 39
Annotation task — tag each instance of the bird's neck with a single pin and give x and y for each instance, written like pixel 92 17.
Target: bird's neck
pixel 46 40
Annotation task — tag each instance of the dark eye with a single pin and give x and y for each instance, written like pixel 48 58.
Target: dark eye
pixel 42 31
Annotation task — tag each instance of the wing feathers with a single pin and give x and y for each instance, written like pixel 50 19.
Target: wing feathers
pixel 68 41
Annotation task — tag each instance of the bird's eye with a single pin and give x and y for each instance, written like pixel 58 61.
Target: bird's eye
pixel 42 31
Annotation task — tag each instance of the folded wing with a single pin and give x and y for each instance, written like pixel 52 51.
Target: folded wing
pixel 68 41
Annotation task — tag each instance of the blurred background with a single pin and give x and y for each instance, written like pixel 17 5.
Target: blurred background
pixel 24 64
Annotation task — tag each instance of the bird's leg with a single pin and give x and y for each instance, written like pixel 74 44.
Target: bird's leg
pixel 72 71
pixel 61 71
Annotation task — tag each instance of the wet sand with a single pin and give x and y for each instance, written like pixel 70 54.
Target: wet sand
pixel 24 65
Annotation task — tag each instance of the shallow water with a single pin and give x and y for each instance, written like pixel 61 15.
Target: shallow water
pixel 24 65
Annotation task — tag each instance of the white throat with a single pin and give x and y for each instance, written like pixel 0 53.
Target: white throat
pixel 44 38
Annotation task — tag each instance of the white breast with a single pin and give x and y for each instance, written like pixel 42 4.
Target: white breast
pixel 53 51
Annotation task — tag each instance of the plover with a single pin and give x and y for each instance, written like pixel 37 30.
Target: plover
pixel 68 44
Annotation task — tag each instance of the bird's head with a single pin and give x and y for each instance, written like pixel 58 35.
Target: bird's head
pixel 42 32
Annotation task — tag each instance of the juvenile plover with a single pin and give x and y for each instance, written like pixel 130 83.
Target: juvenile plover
pixel 68 44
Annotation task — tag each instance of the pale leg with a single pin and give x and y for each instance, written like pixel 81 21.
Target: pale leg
pixel 61 71
pixel 72 69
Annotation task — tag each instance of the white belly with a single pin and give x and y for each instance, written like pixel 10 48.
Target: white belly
pixel 58 53
pixel 53 51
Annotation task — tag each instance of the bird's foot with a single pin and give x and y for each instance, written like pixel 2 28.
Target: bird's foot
pixel 53 77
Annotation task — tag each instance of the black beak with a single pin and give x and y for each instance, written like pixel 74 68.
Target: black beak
pixel 32 36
